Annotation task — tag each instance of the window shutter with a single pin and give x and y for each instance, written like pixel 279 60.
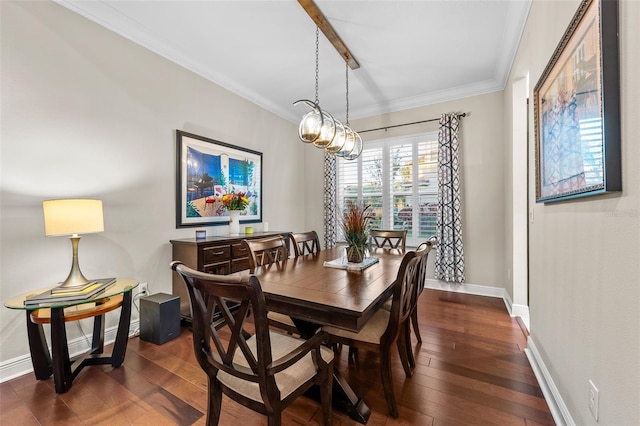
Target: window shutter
pixel 390 175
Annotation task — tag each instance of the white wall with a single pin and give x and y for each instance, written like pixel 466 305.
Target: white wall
pixel 87 113
pixel 482 177
pixel 585 253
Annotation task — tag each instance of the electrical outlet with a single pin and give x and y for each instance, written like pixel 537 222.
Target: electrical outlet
pixel 594 399
pixel 143 288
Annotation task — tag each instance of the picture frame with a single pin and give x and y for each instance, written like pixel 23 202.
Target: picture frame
pixel 577 109
pixel 207 169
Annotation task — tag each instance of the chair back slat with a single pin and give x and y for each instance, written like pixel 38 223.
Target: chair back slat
pixel 407 294
pixel 423 255
pixel 305 243
pixel 389 239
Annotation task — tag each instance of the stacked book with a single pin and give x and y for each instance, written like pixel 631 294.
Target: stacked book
pixel 341 263
pixel 61 294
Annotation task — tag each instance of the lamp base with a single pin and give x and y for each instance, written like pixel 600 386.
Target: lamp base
pixel 75 280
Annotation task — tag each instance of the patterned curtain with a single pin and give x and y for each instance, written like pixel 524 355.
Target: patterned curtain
pixel 449 265
pixel 330 231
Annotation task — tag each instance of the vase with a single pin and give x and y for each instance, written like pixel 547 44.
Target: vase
pixel 355 254
pixel 234 222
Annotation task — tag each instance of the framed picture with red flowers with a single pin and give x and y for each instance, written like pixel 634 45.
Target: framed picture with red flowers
pixel 214 178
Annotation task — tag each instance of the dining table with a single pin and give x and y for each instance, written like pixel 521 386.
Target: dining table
pixel 342 295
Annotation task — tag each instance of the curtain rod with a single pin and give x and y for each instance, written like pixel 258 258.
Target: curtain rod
pixel 464 114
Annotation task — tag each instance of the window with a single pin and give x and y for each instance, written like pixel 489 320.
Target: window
pixel 398 178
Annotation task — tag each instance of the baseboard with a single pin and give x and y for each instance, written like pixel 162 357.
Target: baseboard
pixel 558 408
pixel 521 311
pixel 478 290
pixel 22 365
pixel 508 302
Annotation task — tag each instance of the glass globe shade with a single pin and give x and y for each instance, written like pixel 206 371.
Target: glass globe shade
pixel 357 148
pixel 349 142
pixel 338 140
pixel 311 123
pixel 327 131
pixel 310 126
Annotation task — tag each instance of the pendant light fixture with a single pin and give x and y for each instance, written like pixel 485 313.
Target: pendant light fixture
pixel 321 129
pixel 317 126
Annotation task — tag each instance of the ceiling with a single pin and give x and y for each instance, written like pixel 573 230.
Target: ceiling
pixel 411 53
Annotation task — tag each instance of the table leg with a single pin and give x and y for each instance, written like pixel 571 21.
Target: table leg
pixel 348 401
pixel 60 352
pixel 344 399
pixel 40 356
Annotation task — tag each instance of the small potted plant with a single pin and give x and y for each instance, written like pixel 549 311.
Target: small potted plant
pixel 355 227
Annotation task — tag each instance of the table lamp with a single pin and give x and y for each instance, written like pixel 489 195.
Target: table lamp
pixel 73 217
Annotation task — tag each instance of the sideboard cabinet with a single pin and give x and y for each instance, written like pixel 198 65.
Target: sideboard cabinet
pixel 213 255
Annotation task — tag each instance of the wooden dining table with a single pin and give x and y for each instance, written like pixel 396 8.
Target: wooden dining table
pixel 313 295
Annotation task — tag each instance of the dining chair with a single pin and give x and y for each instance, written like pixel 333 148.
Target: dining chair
pixel 422 251
pixel 264 371
pixel 386 327
pixel 305 243
pixel 266 251
pixel 391 240
pixel 269 252
pixel 422 255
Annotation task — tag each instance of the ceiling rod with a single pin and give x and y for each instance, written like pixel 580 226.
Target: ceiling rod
pixel 318 17
pixel 464 114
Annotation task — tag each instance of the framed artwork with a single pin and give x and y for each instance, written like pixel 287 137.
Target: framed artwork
pixel 577 109
pixel 207 170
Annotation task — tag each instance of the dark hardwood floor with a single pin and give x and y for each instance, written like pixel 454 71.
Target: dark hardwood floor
pixel 471 369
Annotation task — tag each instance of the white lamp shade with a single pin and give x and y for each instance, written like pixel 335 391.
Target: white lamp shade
pixel 68 217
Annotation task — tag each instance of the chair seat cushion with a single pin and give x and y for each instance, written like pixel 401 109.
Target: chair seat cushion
pixel 370 333
pixel 281 318
pixel 287 380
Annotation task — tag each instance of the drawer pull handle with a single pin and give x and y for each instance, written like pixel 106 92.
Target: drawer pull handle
pixel 218 253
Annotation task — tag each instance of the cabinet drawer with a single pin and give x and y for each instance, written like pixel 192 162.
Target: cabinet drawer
pixel 215 254
pixel 239 264
pixel 238 251
pixel 220 268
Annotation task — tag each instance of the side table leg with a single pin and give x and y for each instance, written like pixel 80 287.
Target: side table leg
pixel 40 356
pixel 60 352
pixel 122 336
pixel 97 342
